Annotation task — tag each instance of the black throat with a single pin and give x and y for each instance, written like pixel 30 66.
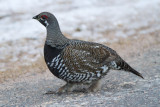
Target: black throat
pixel 49 54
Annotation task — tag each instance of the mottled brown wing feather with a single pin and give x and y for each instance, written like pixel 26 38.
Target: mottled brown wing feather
pixel 86 57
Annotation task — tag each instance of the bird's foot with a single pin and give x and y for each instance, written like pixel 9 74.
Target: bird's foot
pixel 53 92
pixel 50 92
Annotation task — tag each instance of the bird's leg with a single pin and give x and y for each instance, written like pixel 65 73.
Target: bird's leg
pixel 70 87
pixel 66 88
pixel 95 86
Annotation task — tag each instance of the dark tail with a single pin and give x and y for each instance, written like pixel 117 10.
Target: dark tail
pixel 134 72
pixel 124 66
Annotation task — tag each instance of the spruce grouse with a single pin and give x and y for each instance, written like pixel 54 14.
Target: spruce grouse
pixel 80 63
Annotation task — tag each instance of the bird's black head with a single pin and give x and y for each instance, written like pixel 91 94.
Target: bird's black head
pixel 44 18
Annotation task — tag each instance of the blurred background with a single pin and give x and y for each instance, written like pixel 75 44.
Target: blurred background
pixel 127 26
pixel 131 27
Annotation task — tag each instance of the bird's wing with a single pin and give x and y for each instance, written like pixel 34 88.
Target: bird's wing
pixel 83 57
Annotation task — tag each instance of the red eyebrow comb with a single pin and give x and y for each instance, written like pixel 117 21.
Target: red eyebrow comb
pixel 44 16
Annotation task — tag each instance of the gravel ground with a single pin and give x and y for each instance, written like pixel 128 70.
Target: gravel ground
pixel 119 88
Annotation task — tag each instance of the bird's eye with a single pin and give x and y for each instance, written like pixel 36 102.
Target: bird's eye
pixel 44 17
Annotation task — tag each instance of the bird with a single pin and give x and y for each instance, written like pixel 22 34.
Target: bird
pixel 81 64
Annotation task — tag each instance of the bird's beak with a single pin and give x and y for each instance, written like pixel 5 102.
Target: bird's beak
pixel 35 17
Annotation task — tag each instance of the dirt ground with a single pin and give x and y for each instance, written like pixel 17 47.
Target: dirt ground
pixel 119 88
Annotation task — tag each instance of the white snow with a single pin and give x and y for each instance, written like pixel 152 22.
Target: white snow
pixel 94 20
pixel 90 17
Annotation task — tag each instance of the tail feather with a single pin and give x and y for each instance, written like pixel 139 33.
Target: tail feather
pixel 135 72
pixel 124 66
